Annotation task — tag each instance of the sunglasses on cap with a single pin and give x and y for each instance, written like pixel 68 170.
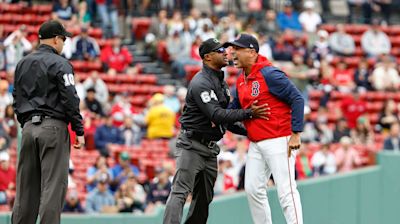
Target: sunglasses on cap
pixel 220 50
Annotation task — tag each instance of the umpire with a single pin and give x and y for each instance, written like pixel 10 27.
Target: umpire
pixel 204 121
pixel 45 102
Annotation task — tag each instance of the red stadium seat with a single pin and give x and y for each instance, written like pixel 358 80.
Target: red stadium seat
pixel 95 32
pixel 140 26
pixel 329 27
pixel 315 94
pixel 356 28
pixel 191 70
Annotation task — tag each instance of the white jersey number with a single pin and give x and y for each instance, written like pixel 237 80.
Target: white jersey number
pixel 206 96
pixel 69 79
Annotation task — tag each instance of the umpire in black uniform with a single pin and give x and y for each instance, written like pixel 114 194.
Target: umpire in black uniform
pixel 45 102
pixel 204 121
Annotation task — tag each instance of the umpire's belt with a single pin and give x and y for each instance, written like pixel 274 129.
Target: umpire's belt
pixel 37 118
pixel 199 137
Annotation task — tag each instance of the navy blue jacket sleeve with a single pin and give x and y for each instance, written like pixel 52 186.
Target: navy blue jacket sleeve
pixel 235 104
pixel 280 86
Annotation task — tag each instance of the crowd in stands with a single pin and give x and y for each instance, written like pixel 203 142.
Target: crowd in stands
pixel 347 73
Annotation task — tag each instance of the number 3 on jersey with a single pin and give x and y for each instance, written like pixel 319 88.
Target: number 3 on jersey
pixel 206 96
pixel 69 79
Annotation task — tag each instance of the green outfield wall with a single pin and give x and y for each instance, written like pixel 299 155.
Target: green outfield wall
pixel 366 196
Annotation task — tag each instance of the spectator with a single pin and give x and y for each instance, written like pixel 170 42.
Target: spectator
pixel 299 47
pixel 92 103
pixel 265 48
pixel 374 42
pixel 85 47
pixel 179 53
pixel 138 192
pixel 94 173
pixel 94 81
pixel 84 18
pixel 365 7
pixel 343 77
pixel 309 131
pixel 353 107
pixel 170 99
pixel 299 75
pixel 131 132
pixel 116 56
pixel 194 51
pixel 5 97
pixel 362 75
pixel 100 200
pixel 324 133
pixel 159 119
pixel 107 134
pixel 309 19
pixel 109 17
pixel 9 122
pixel 392 142
pixel 7 177
pixel 158 190
pixel 121 109
pixel 384 7
pixel 288 20
pixel 125 200
pixel 72 203
pixel 303 165
pixel 16 46
pixel 80 89
pixel 363 134
pixel 225 183
pixel 281 49
pixel 122 170
pixel 385 76
pixel 65 12
pixel 71 181
pixel 346 156
pixel 321 49
pixel 269 25
pixel 159 25
pixel 341 43
pixel 341 130
pixel 388 116
pixel 323 161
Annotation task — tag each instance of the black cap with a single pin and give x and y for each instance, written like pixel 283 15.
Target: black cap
pixel 244 41
pixel 209 46
pixel 51 29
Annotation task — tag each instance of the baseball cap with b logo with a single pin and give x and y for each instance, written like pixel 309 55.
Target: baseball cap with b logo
pixel 51 29
pixel 244 41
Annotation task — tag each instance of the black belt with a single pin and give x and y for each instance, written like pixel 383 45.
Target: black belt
pixel 37 118
pixel 200 138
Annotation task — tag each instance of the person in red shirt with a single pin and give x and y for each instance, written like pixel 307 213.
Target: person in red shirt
pixel 343 78
pixel 7 176
pixel 274 141
pixel 116 56
pixel 353 107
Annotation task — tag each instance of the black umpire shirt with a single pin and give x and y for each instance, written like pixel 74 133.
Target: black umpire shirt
pixel 205 109
pixel 44 85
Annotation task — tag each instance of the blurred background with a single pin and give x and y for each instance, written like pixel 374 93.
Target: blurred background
pixel 133 60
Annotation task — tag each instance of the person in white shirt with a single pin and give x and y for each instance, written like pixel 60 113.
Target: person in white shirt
pixel 309 19
pixel 16 45
pixel 99 85
pixel 385 75
pixel 375 42
pixel 340 42
pixel 323 161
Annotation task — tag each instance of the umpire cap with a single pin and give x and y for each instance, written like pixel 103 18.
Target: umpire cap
pixel 51 29
pixel 209 46
pixel 244 41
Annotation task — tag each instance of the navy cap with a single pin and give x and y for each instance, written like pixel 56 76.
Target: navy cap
pixel 51 29
pixel 244 41
pixel 209 46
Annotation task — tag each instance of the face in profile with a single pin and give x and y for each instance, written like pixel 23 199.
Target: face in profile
pixel 241 56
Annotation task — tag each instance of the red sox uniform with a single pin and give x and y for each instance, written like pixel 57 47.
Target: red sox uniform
pixel 268 152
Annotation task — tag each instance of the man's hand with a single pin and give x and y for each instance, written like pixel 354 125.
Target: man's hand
pixel 260 111
pixel 79 142
pixel 294 143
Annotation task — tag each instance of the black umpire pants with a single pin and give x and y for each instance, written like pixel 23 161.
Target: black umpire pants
pixel 42 173
pixel 196 172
